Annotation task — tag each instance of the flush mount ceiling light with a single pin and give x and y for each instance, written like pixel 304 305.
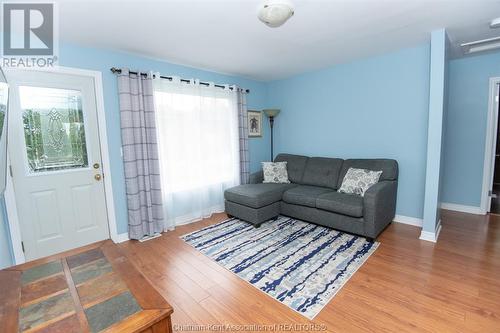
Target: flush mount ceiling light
pixel 275 12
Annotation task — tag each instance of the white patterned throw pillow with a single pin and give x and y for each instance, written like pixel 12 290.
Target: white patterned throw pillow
pixel 358 181
pixel 275 172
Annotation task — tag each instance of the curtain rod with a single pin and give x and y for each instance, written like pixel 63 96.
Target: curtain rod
pixel 118 71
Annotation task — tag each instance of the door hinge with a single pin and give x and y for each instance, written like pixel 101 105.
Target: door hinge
pixel 493 195
pixel 10 171
pixel 22 246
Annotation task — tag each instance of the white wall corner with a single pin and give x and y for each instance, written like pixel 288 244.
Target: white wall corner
pixel 408 220
pixel 120 238
pixel 431 236
pixel 463 208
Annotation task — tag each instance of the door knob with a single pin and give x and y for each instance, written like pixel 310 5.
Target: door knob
pixel 97 177
pixel 96 165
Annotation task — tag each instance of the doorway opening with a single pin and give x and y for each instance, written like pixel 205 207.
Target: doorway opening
pixel 490 196
pixel 495 188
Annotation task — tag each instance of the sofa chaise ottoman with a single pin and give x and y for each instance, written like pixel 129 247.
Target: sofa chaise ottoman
pixel 312 195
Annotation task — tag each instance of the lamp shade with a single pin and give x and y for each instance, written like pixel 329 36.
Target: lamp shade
pixel 271 112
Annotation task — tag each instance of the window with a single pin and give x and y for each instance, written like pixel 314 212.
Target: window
pixel 54 130
pixel 197 139
pixel 199 147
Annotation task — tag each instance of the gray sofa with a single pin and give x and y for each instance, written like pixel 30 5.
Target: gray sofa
pixel 312 195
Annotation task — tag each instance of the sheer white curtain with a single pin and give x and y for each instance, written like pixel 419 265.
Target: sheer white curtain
pixel 199 148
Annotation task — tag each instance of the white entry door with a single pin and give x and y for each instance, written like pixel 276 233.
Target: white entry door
pixel 55 159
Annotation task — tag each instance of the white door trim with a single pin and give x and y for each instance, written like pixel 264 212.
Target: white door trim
pixel 10 199
pixel 14 227
pixel 490 144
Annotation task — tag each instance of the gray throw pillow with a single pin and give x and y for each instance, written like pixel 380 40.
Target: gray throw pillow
pixel 275 172
pixel 358 181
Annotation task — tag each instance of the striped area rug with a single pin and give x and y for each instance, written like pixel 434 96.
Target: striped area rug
pixel 300 264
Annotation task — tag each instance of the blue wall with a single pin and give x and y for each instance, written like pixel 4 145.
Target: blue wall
pixel 377 107
pixel 437 106
pixel 466 127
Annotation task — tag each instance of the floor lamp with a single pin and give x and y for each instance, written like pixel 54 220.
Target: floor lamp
pixel 271 113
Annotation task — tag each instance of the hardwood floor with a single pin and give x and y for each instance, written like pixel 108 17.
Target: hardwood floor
pixel 407 285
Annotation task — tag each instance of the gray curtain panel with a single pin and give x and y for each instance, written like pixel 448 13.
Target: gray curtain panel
pixel 140 154
pixel 243 133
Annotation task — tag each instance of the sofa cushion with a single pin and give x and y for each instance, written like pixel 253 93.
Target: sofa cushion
pixel 275 172
pixel 347 204
pixel 358 181
pixel 304 195
pixel 256 195
pixel 295 166
pixel 388 167
pixel 322 171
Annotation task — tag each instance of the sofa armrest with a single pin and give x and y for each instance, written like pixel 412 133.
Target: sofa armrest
pixel 379 206
pixel 256 177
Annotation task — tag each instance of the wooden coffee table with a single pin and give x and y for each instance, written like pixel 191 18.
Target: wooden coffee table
pixel 91 289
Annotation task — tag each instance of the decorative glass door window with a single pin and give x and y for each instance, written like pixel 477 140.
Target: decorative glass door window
pixel 54 130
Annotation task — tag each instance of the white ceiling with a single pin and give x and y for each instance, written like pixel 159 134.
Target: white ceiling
pixel 225 35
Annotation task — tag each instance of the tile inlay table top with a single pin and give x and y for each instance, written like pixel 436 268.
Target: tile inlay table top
pixel 92 289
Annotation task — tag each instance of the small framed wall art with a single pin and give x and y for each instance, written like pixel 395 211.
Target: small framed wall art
pixel 254 124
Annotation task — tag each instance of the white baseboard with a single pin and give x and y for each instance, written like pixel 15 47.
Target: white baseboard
pixel 193 217
pixel 147 238
pixel 463 208
pixel 408 220
pixel 431 236
pixel 120 238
